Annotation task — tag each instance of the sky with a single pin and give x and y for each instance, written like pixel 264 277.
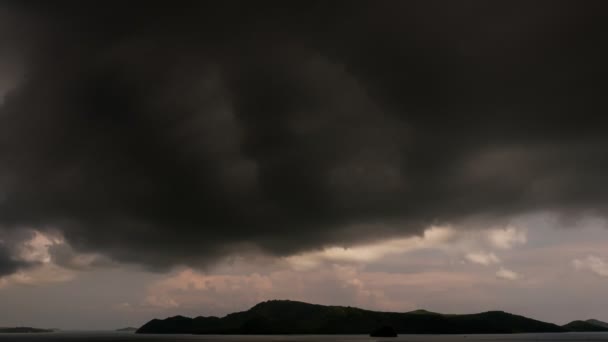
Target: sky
pixel 197 158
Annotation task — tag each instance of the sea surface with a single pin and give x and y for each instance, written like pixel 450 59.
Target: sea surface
pixel 128 337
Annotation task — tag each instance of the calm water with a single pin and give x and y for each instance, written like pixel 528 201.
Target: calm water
pixel 124 337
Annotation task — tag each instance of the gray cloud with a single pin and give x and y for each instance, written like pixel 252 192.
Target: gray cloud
pixel 176 135
pixel 9 264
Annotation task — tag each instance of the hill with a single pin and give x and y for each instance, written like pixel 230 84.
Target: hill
pixel 597 322
pixel 291 317
pixel 584 326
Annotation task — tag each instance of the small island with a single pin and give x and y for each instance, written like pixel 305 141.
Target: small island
pixel 18 330
pixel 586 326
pixel 127 329
pixel 597 323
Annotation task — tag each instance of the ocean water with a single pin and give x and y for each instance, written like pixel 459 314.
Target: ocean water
pixel 127 337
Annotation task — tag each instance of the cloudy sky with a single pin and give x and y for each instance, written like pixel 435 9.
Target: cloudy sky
pixel 196 158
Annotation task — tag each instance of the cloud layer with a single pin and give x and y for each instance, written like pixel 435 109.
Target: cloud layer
pixel 167 136
pixel 537 278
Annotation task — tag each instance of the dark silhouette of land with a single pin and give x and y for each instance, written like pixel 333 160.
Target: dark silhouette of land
pixel 290 317
pixel 127 329
pixel 586 326
pixel 597 323
pixel 384 331
pixel 16 330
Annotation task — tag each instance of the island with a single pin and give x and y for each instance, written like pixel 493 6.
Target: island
pixel 597 323
pixel 127 329
pixel 18 330
pixel 590 325
pixel 292 317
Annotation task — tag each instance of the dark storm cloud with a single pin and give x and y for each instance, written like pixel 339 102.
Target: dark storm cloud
pixel 170 134
pixel 12 250
pixel 8 265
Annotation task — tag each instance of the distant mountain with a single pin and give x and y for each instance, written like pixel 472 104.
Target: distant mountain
pixel 290 317
pixel 24 330
pixel 597 322
pixel 127 329
pixel 584 326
